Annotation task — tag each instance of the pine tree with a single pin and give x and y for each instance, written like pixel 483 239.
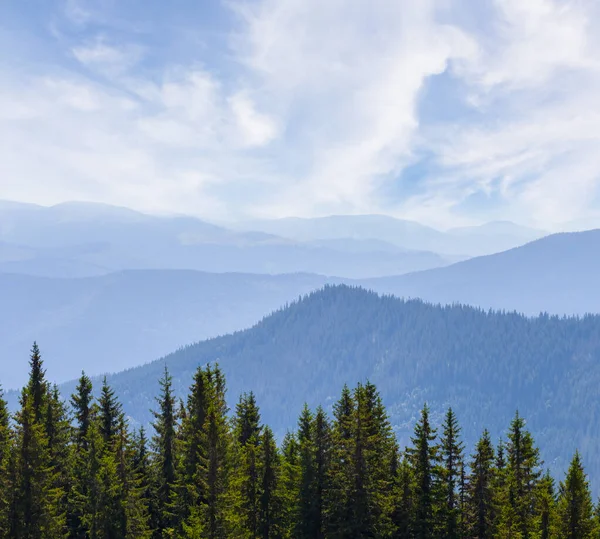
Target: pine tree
pixel 164 460
pixel 5 452
pixel 307 519
pixel 133 509
pixel 38 500
pixel 575 506
pixel 81 402
pixel 374 457
pixel 109 413
pixel 322 463
pixel 289 485
pixel 342 482
pixel 37 387
pixel 522 476
pixel 424 459
pixel 403 501
pixel 84 412
pixel 209 520
pixel 546 503
pixel 58 434
pixel 191 488
pixel 480 496
pixel 270 498
pixel 245 480
pixel 451 449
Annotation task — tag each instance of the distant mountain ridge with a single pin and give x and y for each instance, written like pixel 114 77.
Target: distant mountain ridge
pixel 466 241
pixel 86 239
pixel 131 317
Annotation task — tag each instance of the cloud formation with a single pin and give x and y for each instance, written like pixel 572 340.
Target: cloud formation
pixel 441 111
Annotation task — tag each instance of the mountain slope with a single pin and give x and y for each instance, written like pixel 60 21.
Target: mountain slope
pixel 557 274
pixel 483 364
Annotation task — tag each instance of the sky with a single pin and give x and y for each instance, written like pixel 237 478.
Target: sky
pixel 447 112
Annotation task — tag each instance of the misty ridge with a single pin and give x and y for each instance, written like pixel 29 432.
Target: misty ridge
pixel 121 288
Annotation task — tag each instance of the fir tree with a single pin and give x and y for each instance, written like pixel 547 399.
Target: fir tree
pixel 322 462
pixel 164 457
pixel 5 452
pixel 37 386
pixel 38 500
pixel 575 507
pixel 342 467
pixel 289 485
pixel 109 412
pixel 546 503
pixel 451 449
pixel 522 475
pixel 424 458
pixel 81 402
pixel 270 499
pixel 191 488
pixel 209 519
pixel 403 500
pixel 307 519
pixel 480 500
pixel 245 480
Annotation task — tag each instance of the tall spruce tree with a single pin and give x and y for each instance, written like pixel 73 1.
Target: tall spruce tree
pixel 289 485
pixel 403 499
pixel 522 476
pixel 209 520
pixel 37 387
pixel 575 507
pixel 307 518
pixel 5 452
pixel 546 503
pixel 424 460
pixel 245 475
pixel 374 458
pixel 38 508
pixel 270 509
pixel 322 462
pixel 451 453
pixel 163 443
pixel 81 403
pixel 109 413
pixel 191 486
pixel 480 496
pixel 342 467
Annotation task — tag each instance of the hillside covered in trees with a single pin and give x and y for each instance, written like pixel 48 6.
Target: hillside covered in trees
pixel 485 364
pixel 78 470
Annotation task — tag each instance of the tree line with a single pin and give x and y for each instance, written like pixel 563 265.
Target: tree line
pixel 77 470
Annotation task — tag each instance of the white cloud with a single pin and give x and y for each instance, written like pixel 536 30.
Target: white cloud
pixel 107 59
pixel 319 113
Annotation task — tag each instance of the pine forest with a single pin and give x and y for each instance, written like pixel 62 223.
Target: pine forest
pixel 75 469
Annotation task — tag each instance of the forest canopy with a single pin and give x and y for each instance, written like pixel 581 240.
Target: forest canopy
pixel 76 469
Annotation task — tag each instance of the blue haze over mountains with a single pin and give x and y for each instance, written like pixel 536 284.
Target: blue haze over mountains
pixel 105 288
pixel 108 289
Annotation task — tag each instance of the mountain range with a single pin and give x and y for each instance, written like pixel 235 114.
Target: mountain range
pixel 472 241
pixel 85 240
pixel 111 322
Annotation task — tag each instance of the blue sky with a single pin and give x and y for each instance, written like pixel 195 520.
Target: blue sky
pixel 448 112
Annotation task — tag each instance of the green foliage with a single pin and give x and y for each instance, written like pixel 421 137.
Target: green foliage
pixel 575 508
pixel 212 476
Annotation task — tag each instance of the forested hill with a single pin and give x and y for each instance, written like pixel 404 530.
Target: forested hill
pixel 483 364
